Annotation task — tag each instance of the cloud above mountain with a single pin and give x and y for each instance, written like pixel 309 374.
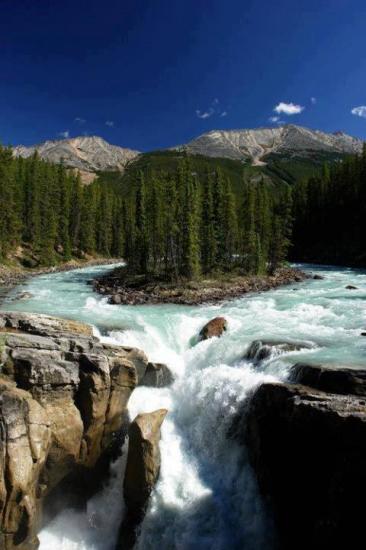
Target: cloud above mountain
pixel 205 114
pixel 214 109
pixel 359 111
pixel 275 120
pixel 288 108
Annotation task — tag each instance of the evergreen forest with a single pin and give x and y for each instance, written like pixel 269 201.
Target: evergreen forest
pixel 51 217
pixel 330 214
pixel 181 223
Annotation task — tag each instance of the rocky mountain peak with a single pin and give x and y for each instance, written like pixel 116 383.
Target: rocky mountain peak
pixel 256 144
pixel 86 153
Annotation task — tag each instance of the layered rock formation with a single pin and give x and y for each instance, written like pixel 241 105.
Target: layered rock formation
pixel 63 398
pixel 308 449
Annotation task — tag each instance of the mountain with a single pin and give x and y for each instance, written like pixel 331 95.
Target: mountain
pixel 89 154
pixel 259 145
pixel 280 154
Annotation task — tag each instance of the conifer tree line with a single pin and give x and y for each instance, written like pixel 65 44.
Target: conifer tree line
pixel 45 208
pixel 330 214
pixel 183 226
pixel 173 226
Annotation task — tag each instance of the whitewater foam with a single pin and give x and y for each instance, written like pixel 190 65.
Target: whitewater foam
pixel 206 496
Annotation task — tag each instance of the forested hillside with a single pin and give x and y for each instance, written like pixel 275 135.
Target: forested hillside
pixel 51 217
pixel 278 172
pixel 177 216
pixel 330 214
pixel 168 223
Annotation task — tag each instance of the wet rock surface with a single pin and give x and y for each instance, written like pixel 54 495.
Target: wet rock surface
pixel 214 328
pixel 157 375
pixel 259 350
pixel 308 450
pixel 142 471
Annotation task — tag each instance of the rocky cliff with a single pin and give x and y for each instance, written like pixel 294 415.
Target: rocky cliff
pixel 308 449
pixel 63 398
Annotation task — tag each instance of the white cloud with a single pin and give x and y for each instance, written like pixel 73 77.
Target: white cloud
pixel 275 120
pixel 288 108
pixel 359 111
pixel 79 120
pixel 65 134
pixel 214 109
pixel 109 123
pixel 205 114
pixel 313 100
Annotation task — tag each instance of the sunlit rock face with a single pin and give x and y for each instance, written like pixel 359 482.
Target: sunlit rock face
pixel 88 153
pixel 256 145
pixel 63 397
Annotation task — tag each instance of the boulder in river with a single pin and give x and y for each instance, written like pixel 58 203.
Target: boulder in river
pixel 63 399
pixel 308 450
pixel 142 471
pixel 157 375
pixel 215 327
pixel 259 350
pixel 351 287
pixel 318 277
pixel 135 355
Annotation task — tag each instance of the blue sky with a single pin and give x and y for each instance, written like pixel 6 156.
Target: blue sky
pixel 152 74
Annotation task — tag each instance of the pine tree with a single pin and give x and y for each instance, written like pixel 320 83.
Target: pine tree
pixel 190 261
pixel 75 214
pixel 229 225
pixel 208 234
pixel 141 242
pixel 64 186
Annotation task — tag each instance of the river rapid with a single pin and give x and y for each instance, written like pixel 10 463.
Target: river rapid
pixel 206 497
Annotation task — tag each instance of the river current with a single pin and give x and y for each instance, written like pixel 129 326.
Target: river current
pixel 206 497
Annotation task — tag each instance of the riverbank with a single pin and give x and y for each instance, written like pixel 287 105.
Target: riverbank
pixel 12 275
pixel 124 289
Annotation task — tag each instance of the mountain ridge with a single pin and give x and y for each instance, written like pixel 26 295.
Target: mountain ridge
pixel 256 146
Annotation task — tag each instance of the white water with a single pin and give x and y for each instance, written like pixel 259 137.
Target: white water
pixel 206 497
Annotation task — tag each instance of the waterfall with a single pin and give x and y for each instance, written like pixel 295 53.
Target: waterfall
pixel 206 496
